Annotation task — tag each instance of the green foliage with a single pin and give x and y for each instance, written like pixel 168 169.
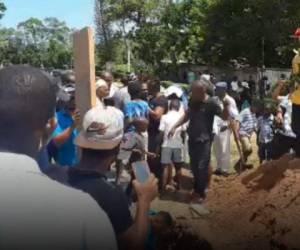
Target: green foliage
pixel 2 9
pixel 39 43
pixel 257 30
pixel 162 34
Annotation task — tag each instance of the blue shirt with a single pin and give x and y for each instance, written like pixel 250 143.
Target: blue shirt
pixel 136 109
pixel 67 154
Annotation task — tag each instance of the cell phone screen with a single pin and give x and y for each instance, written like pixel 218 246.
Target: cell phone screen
pixel 141 171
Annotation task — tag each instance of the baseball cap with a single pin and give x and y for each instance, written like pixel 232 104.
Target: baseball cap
pixel 173 90
pixel 221 85
pixel 245 85
pixel 102 129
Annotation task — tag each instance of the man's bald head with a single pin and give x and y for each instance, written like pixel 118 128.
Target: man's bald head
pixel 27 99
pixel 199 91
pixel 108 77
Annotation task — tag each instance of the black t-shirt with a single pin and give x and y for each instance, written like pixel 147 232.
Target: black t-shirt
pixel 201 117
pixel 109 197
pixel 162 102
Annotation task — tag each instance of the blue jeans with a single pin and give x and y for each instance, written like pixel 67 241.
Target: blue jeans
pixel 200 153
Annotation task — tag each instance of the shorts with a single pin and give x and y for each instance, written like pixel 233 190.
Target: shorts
pixel 171 155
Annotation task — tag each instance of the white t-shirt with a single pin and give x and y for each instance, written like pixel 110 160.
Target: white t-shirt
pixel 234 86
pixel 167 122
pixel 39 213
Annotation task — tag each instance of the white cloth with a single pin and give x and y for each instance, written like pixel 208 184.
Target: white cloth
pixel 234 86
pixel 222 140
pixel 233 109
pixel 113 89
pixel 121 98
pixel 221 144
pixel 100 104
pixel 173 90
pixel 39 213
pixel 167 122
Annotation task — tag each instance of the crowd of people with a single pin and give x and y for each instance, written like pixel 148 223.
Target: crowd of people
pixel 72 174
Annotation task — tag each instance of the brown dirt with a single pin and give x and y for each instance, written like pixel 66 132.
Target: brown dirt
pixel 257 209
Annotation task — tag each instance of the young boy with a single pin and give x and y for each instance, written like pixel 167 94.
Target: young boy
pixel 172 148
pixel 136 113
pixel 265 132
pixel 247 126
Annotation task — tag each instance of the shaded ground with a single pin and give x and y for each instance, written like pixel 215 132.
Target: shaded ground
pixel 258 209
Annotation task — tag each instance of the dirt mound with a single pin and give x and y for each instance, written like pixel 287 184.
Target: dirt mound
pixel 260 208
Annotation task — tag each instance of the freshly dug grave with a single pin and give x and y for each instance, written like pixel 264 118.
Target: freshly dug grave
pixel 259 209
pixel 182 237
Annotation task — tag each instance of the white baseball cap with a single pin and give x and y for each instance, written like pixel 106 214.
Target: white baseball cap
pixel 102 129
pixel 173 90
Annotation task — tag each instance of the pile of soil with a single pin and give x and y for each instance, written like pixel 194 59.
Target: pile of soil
pixel 257 209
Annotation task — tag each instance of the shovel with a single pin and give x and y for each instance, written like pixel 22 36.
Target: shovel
pixel 242 163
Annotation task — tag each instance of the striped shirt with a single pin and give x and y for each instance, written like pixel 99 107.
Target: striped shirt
pixel 248 122
pixel 265 128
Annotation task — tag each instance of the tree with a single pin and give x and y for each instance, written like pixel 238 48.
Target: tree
pixel 103 30
pixel 254 30
pixel 38 43
pixel 2 9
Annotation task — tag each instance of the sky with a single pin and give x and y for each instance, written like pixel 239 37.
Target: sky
pixel 76 13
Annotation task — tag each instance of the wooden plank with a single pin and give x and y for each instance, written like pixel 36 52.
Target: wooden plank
pixel 84 65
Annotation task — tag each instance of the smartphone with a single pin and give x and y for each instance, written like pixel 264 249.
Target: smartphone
pixel 141 171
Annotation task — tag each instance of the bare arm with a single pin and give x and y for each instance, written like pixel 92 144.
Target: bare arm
pixel 61 139
pixel 157 113
pixel 276 93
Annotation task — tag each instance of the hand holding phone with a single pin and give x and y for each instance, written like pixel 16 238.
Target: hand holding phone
pixel 146 192
pixel 141 171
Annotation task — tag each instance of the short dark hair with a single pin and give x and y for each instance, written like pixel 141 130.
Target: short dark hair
pixel 99 154
pixel 175 104
pixel 135 89
pixel 27 98
pixel 154 85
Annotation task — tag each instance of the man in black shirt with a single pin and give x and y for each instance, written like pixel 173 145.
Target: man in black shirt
pixel 99 142
pixel 159 105
pixel 200 115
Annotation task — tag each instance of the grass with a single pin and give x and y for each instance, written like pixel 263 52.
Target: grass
pixel 253 159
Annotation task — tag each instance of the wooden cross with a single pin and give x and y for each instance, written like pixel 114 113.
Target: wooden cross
pixel 84 65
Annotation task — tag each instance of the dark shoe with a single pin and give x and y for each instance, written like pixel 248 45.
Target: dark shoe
pixel 218 172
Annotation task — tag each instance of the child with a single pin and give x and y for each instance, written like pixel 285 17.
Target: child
pixel 136 113
pixel 265 133
pixel 172 148
pixel 247 126
pixel 133 147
